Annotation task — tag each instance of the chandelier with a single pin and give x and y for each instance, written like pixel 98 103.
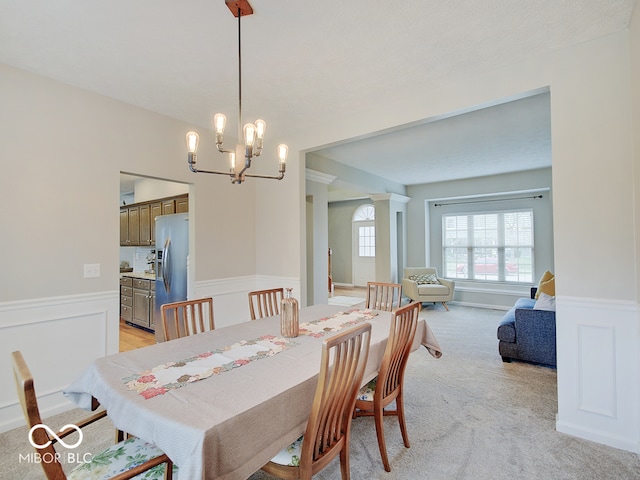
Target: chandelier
pixel 251 133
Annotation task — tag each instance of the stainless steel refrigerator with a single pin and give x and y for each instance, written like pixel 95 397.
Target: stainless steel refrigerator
pixel 172 253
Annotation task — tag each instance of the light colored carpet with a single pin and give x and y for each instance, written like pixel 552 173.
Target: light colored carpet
pixel 469 416
pixel 345 301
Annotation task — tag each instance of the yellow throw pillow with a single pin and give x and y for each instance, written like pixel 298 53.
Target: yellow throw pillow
pixel 547 285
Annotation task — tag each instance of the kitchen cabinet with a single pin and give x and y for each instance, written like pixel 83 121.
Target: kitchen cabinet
pixel 156 210
pixel 144 225
pixel 129 226
pixel 182 204
pixel 137 221
pixel 142 295
pixel 137 301
pixel 124 227
pixel 169 207
pixel 126 299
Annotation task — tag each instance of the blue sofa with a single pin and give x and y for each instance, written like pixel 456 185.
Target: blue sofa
pixel 528 335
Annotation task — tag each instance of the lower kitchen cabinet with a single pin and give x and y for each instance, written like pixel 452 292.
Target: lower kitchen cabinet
pixel 137 301
pixel 126 299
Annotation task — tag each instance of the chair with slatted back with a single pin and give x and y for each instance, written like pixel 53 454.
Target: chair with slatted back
pixel 383 296
pixel 180 319
pixel 265 303
pixel 388 385
pixel 328 429
pixel 114 463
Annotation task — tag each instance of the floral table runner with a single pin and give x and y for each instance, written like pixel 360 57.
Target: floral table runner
pixel 334 323
pixel 173 375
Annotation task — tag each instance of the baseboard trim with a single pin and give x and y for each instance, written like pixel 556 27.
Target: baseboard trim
pixel 598 437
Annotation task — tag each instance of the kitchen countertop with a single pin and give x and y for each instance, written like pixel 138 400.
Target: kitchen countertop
pixel 147 276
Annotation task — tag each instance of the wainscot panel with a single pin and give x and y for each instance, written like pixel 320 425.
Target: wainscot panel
pixel 59 338
pixel 598 346
pixel 230 295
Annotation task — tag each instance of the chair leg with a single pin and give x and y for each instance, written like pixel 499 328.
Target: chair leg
pixel 379 420
pixel 345 471
pixel 403 424
pixel 445 306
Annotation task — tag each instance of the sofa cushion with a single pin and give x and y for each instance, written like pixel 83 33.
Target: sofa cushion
pixel 426 279
pixel 547 284
pixel 545 302
pixel 524 303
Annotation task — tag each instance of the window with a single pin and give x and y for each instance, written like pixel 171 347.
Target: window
pixel 365 215
pixel 496 246
pixel 367 241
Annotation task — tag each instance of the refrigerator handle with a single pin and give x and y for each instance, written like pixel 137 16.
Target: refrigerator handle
pixel 166 266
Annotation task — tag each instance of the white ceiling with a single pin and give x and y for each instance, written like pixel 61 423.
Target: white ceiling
pixel 306 61
pixel 510 137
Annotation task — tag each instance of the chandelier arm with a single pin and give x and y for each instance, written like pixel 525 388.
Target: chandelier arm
pixel 197 170
pixel 222 150
pixel 273 177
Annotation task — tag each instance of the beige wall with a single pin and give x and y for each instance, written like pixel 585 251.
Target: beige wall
pixel 62 150
pixel 634 43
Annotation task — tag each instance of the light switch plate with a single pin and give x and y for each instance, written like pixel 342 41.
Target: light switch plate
pixel 91 270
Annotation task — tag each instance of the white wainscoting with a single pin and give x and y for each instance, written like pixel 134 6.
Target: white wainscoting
pixel 59 337
pixel 598 382
pixel 230 295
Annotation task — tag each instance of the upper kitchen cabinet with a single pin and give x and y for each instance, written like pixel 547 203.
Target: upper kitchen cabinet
pixel 156 210
pixel 129 226
pixel 137 221
pixel 168 207
pixel 144 212
pixel 182 204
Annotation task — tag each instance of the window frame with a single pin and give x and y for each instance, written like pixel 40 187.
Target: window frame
pixel 505 271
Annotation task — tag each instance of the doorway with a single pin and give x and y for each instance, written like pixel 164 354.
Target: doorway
pixel 364 245
pixel 141 201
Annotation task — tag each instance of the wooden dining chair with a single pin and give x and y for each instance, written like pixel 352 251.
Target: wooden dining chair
pixel 328 430
pixel 113 463
pixel 388 385
pixel 181 319
pixel 265 303
pixel 383 296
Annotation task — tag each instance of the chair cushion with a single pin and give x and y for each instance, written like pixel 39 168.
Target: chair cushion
pixel 119 458
pixel 366 392
pixel 433 289
pixel 290 455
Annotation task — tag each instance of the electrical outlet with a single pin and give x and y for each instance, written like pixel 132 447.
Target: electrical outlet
pixel 91 270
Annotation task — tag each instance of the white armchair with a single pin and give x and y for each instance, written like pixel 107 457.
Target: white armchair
pixel 422 284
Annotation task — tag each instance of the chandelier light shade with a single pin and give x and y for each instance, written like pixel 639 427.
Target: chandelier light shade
pixel 251 134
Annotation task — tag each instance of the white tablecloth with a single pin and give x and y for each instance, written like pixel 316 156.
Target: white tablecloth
pixel 228 425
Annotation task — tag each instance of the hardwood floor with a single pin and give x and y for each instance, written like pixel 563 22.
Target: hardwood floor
pixel 360 292
pixel 132 337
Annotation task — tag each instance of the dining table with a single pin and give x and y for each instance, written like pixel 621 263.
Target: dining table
pixel 222 403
